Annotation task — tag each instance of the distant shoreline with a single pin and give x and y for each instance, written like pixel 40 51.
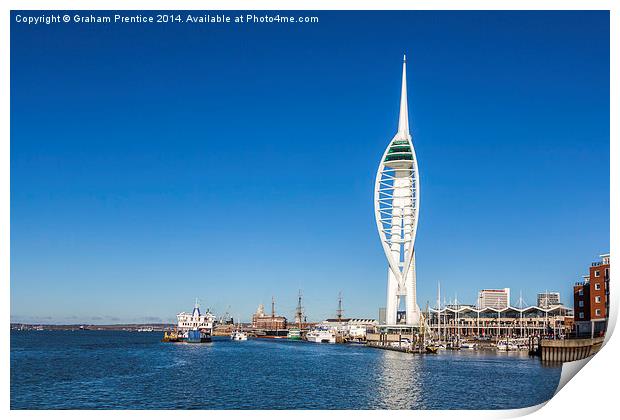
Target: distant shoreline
pixel 90 327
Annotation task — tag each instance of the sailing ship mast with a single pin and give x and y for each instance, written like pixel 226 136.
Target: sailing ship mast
pixel 339 311
pixel 299 312
pixel 439 310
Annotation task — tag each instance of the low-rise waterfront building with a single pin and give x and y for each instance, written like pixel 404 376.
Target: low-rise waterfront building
pixel 554 321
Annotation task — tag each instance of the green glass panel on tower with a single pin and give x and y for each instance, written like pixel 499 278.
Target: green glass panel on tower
pixel 399 150
pixel 399 156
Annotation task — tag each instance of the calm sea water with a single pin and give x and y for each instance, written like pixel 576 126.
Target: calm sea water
pixel 123 370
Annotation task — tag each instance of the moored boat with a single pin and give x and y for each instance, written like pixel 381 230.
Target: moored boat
pixel 431 349
pixel 272 334
pixel 468 345
pixel 238 336
pixel 506 345
pixel 294 334
pixel 170 337
pixel 193 327
pixel 321 336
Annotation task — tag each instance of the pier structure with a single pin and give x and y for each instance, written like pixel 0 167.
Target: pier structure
pixel 396 199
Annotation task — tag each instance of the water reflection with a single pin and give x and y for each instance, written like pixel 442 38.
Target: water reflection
pixel 399 380
pixel 461 380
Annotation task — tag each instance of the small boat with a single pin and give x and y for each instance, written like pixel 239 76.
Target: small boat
pixel 356 342
pixel 238 336
pixel 321 336
pixel 170 337
pixel 432 346
pixel 506 345
pixel 294 334
pixel 467 345
pixel 431 349
pixel 403 343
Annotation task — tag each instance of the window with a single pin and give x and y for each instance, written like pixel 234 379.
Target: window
pixel 580 292
pixel 581 303
pixel 597 299
pixel 581 315
pixel 597 312
pixel 597 286
pixel 597 273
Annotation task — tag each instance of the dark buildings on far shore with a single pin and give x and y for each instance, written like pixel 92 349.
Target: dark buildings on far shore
pixel 591 300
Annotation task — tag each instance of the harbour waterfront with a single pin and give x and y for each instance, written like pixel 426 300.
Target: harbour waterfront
pixel 134 370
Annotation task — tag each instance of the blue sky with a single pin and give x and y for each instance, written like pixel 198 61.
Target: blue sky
pixel 152 164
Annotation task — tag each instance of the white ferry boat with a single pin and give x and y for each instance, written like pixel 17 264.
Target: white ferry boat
pixel 194 327
pixel 321 336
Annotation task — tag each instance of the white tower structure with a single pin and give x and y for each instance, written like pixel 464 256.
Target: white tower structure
pixel 397 203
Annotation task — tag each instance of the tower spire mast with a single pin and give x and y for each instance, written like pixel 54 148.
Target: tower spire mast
pixel 403 117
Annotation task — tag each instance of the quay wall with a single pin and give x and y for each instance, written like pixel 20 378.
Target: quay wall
pixel 569 350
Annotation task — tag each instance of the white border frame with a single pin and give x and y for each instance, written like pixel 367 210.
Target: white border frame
pixel 580 398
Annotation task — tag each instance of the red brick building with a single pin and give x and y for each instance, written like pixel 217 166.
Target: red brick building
pixel 591 300
pixel 263 321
